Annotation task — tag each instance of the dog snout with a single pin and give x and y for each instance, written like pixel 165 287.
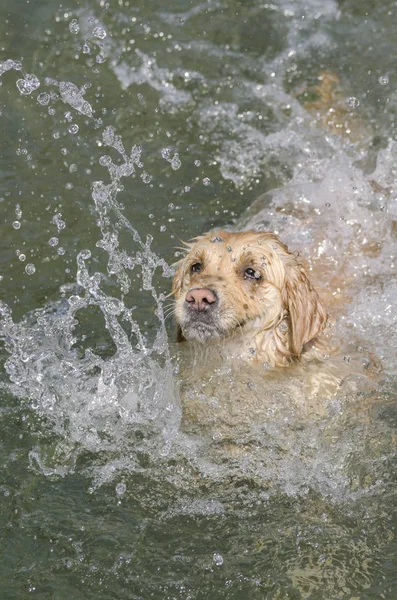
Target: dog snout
pixel 200 299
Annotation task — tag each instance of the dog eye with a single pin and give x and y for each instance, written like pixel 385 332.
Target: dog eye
pixel 196 268
pixel 252 274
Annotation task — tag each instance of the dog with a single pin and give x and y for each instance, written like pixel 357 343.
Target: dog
pixel 248 294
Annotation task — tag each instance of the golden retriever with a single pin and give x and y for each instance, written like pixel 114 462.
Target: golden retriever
pixel 247 293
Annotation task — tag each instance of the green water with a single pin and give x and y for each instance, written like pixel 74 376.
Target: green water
pixel 103 493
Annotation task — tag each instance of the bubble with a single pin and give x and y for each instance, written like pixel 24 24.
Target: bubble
pixel 121 489
pixel 163 228
pixel 99 33
pixel 353 102
pixel 18 212
pixel 30 269
pixel 74 27
pixel 86 49
pixel 54 241
pixel 73 129
pixel 197 163
pixel 68 116
pixel 206 181
pixel 43 98
pixel 28 85
pixel 16 224
pixel 217 559
pixel 61 251
pixel 383 79
pixel 22 257
pixel 100 58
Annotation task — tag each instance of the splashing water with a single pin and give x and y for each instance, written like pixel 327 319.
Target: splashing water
pixel 96 403
pixel 275 489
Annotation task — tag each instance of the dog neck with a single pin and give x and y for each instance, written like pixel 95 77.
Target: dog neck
pixel 269 347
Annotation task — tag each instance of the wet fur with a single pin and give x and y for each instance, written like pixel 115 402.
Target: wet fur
pixel 274 320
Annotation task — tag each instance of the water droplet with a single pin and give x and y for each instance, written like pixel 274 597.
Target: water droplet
pixel 346 359
pixel 85 254
pixel 73 129
pixel 71 94
pixel 74 27
pixel 217 559
pixel 175 162
pixel 18 212
pixel 6 65
pixel 54 241
pixel 28 85
pixel 16 224
pixel 99 33
pixel 43 98
pixel 30 269
pixel 206 181
pixel 146 178
pixel 68 116
pixel 165 153
pixel 197 163
pixel 327 204
pixel 353 102
pixel 163 228
pixel 57 220
pixel 121 489
pixel 86 49
pixel 383 79
pixel 100 58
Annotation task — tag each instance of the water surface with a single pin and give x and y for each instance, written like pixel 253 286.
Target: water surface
pixel 126 127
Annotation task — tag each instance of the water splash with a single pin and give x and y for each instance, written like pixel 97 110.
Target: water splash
pixel 92 401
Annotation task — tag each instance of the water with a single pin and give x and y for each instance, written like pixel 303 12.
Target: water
pixel 126 128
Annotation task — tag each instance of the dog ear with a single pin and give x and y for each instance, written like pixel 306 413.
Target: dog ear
pixel 307 315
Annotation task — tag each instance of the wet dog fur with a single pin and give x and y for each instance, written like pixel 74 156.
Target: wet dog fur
pixel 247 294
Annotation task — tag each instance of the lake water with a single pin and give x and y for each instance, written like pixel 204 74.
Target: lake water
pixel 127 127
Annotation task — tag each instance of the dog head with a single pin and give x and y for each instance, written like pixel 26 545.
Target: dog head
pixel 246 283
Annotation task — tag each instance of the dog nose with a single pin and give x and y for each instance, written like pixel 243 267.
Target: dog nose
pixel 200 299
